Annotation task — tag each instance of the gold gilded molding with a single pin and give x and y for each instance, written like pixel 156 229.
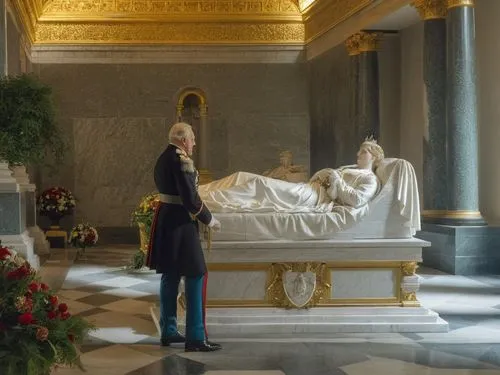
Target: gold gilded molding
pixel 326 14
pixel 461 3
pixel 88 33
pixel 277 294
pixel 408 268
pixel 263 266
pixel 110 8
pixel 352 45
pixel 368 41
pixel 27 12
pixel 431 9
pixel 452 214
pixel 305 4
pixel 409 299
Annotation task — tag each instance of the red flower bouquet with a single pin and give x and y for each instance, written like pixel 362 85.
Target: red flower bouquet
pixel 36 331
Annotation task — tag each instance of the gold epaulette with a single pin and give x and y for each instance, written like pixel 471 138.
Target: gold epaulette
pixel 187 164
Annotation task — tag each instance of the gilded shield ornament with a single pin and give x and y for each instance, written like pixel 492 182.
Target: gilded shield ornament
pixel 298 285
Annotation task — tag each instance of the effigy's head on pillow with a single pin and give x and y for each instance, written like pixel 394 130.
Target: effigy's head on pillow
pixel 370 154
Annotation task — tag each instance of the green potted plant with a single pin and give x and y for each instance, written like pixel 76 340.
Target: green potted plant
pixel 28 129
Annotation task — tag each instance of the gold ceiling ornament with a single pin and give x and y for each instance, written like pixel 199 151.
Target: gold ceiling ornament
pixel 431 9
pixel 368 41
pixel 67 9
pixel 304 4
pixel 175 33
pixel 211 21
pixel 408 268
pixel 352 45
pixel 461 3
pixel 298 285
pixel 326 14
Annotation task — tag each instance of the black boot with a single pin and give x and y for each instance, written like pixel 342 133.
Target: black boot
pixel 201 346
pixel 173 339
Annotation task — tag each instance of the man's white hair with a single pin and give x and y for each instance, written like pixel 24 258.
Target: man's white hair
pixel 180 131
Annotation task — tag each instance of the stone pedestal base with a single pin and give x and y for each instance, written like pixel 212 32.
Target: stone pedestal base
pixel 315 287
pixel 42 246
pixel 23 244
pixel 57 237
pixel 254 322
pixel 462 250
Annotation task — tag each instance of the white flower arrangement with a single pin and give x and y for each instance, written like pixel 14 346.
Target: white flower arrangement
pixel 56 200
pixel 83 235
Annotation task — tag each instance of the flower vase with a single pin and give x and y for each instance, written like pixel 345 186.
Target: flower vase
pixel 56 236
pixel 55 219
pixel 80 253
pixel 143 235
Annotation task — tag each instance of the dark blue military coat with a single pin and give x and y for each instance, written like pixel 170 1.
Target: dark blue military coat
pixel 174 245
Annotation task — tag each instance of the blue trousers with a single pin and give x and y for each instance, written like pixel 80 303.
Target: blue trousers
pixel 195 309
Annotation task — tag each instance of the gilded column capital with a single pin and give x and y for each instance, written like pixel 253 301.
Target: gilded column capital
pixel 460 3
pixel 352 45
pixel 431 9
pixel 368 41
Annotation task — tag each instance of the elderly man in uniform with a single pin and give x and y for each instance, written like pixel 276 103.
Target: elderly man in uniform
pixel 174 246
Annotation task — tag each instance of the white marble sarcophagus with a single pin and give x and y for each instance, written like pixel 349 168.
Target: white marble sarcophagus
pixel 344 270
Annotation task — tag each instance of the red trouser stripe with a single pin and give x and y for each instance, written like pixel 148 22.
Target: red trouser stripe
pixel 152 235
pixel 204 301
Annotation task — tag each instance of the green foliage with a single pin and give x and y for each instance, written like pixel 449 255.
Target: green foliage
pixel 138 260
pixel 144 212
pixel 28 130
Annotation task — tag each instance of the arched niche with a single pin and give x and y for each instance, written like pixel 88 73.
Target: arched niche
pixel 192 108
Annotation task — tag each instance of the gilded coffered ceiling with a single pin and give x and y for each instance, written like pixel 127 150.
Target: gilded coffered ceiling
pixel 181 21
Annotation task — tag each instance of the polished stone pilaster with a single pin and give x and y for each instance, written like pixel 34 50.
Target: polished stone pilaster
pixel 433 13
pixel 368 118
pixel 352 46
pixel 461 111
pixel 461 243
pixel 205 175
pixel 3 37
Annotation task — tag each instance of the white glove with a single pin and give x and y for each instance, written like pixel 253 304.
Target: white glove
pixel 215 225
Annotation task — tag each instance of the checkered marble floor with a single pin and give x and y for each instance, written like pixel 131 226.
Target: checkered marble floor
pixel 117 300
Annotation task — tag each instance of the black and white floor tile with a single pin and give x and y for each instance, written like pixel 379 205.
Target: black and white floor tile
pixel 118 301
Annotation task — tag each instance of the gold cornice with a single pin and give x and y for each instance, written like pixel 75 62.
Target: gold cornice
pixel 182 21
pixel 174 33
pixel 460 3
pixel 117 8
pixel 27 15
pixel 186 17
pixel 430 9
pixel 324 15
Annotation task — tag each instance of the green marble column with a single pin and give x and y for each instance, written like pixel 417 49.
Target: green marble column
pixel 3 37
pixel 352 46
pixel 461 111
pixel 368 112
pixel 433 14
